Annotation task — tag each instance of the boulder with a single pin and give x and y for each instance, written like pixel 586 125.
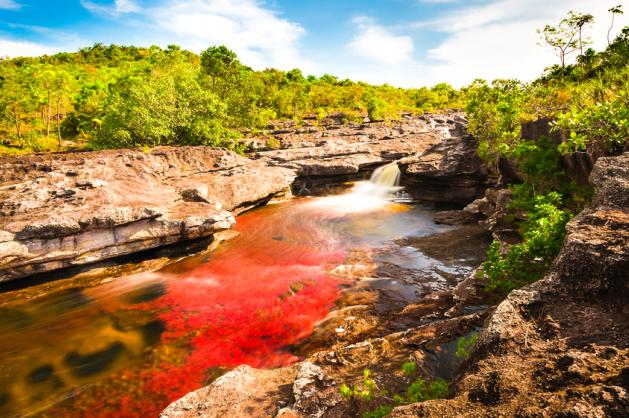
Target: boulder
pixel 243 392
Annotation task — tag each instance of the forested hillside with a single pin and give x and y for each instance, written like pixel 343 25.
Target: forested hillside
pixel 125 96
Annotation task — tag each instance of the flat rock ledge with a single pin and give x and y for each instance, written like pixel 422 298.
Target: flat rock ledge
pixel 64 210
pixel 69 209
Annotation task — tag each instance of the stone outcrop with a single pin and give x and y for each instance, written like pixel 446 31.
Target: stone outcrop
pixel 69 209
pixel 559 347
pixel 338 154
pixel 243 392
pixel 449 171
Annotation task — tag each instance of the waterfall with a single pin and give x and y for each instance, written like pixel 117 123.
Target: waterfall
pixel 382 185
pixel 386 176
pixel 366 196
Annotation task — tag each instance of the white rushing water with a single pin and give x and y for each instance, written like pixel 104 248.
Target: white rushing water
pixel 366 196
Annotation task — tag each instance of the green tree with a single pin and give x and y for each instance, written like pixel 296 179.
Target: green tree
pixel 578 21
pixel 561 38
pixel 219 62
pixel 17 100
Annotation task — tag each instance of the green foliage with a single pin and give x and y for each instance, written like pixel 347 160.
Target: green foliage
pixel 465 345
pixel 119 96
pixel 375 107
pixel 409 368
pixel 601 123
pixel 418 391
pixel 160 108
pixel 364 392
pixel 379 412
pixel 273 143
pixel 494 116
pixel 544 229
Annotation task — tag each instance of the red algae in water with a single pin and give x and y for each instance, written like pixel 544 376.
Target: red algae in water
pixel 252 299
pixel 130 347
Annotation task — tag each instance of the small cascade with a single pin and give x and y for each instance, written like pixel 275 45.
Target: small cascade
pixel 366 196
pixel 386 176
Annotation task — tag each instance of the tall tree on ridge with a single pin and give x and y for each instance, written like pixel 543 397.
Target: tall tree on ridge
pixel 616 10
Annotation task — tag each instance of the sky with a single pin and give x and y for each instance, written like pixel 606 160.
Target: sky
pixel 408 43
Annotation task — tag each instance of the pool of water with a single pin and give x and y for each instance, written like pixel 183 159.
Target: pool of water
pixel 129 347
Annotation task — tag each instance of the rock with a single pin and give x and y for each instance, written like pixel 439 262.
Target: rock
pixel 243 392
pixel 448 172
pixel 306 389
pixel 454 217
pixel 121 201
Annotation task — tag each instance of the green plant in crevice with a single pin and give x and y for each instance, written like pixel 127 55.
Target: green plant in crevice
pixel 409 368
pixel 379 412
pixel 419 391
pixel 516 265
pixel 465 345
pixel 416 391
pixel 364 392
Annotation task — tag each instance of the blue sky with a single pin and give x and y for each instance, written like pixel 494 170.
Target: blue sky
pixel 406 43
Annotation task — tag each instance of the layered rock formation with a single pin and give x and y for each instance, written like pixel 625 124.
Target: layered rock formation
pixel 69 209
pixel 448 171
pixel 62 210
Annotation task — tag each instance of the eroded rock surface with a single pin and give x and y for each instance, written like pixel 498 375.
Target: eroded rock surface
pixel 449 171
pixel 61 210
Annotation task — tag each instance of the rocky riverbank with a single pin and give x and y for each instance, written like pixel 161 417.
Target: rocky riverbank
pixel 559 347
pixel 62 210
pixel 555 347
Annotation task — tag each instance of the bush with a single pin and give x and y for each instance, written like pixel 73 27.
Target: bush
pixel 606 124
pixel 516 265
pixel 465 345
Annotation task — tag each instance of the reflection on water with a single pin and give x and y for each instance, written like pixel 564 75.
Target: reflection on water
pixel 129 347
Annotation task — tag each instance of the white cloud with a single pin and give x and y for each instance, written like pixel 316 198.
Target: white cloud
pixel 119 7
pixel 376 43
pixel 9 48
pixel 258 35
pixel 9 5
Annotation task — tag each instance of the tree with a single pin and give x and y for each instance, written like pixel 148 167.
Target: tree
pixel 219 62
pixel 298 89
pixel 160 108
pixel 61 90
pixel 16 100
pixel 46 79
pixel 579 20
pixel 616 10
pixel 561 38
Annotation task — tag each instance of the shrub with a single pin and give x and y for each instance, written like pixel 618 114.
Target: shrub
pixel 465 345
pixel 516 265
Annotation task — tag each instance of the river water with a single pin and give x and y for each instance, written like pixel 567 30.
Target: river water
pixel 129 347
